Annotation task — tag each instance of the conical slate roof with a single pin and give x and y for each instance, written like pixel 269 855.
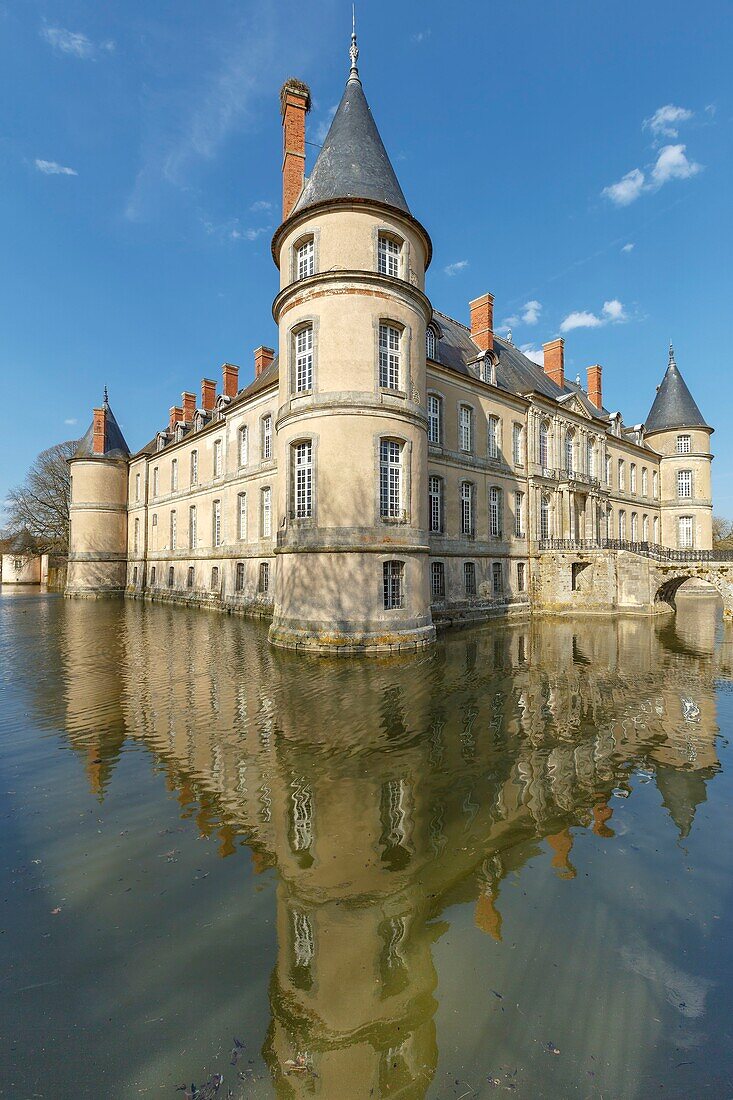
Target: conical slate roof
pixel 353 163
pixel 674 406
pixel 114 441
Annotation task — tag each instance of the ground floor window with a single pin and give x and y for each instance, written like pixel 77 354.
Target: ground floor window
pixel 134 575
pixel 189 577
pixel 437 580
pixel 497 580
pixel 544 517
pixel 239 582
pixel 264 584
pixel 393 584
pixel 685 533
pixel 215 577
pixel 520 577
pixel 152 575
pixel 171 576
pixel 469 577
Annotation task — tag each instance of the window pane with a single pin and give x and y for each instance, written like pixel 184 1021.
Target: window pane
pixel 390 479
pixel 389 357
pixel 304 360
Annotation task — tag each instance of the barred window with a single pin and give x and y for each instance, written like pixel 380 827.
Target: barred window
pixel 517 444
pixel 389 357
pixel 497 578
pixel 303 479
pixel 467 508
pixel 495 502
pixel 266 437
pixel 266 513
pixel 216 523
pixel 174 475
pixel 684 484
pixel 684 444
pixel 685 533
pixel 264 578
pixel 239 577
pixel 434 418
pixel 194 467
pixel 437 580
pixel 306 259
pixel 435 502
pixel 304 359
pixel 493 437
pixel 243 445
pixel 388 256
pixel 242 516
pixel 390 479
pixel 174 529
pixel 190 577
pixel 393 584
pixel 519 515
pixel 469 577
pixel 520 576
pixel 465 427
pixel 544 445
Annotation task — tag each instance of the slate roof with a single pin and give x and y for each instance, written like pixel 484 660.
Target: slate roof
pixel 353 162
pixel 114 441
pixel 674 405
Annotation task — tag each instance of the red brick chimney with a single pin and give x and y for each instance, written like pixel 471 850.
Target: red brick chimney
pixel 555 361
pixel 595 389
pixel 174 415
pixel 230 375
pixel 99 430
pixel 189 406
pixel 208 394
pixel 263 358
pixel 295 102
pixel 482 321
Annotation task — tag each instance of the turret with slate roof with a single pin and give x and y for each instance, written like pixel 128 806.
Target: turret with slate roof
pixel 674 406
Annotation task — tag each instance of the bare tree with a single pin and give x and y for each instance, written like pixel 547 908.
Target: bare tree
pixel 40 505
pixel 722 533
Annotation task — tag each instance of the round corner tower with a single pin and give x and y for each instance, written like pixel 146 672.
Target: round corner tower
pixel 351 427
pixel 98 512
pixel 678 431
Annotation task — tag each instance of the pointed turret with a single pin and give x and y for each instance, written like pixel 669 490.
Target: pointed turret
pixel 674 405
pixel 103 438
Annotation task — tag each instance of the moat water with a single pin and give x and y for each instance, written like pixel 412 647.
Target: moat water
pixel 503 865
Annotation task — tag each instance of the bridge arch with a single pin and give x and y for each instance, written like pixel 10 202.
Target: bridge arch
pixel 668 588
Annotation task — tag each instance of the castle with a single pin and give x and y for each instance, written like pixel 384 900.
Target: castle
pixel 388 467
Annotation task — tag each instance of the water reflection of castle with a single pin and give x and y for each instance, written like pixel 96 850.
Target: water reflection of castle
pixel 384 792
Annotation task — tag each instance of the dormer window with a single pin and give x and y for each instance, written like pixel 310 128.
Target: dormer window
pixel 305 259
pixel 388 259
pixel 179 433
pixel 487 370
pixel 430 343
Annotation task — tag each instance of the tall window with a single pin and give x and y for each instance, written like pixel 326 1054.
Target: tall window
pixel 192 527
pixel 194 467
pixel 190 577
pixel 137 486
pixel 684 444
pixel 519 515
pixel 655 484
pixel 644 482
pixel 242 516
pixel 435 501
pixel 243 445
pixel 266 513
pixel 590 458
pixel 156 481
pixel 174 529
pixel 437 580
pixel 239 577
pixel 469 578
pixel 621 475
pixel 430 343
pixel 634 527
pixel 216 523
pixel 544 445
pixel 544 516
pixel 393 574
pixel 389 357
pixel 645 529
pixel 137 536
pixel 304 359
pixel 217 458
pixel 622 525
pixel 494 512
pixel 152 575
pixel 154 533
pixel 497 578
pixel 569 453
pixel 303 479
pixel 684 484
pixel 434 418
pixel 608 469
pixel 493 436
pixel 656 529
pixel 520 576
pixel 390 479
pixel 171 576
pixel 465 428
pixel 684 532
pixel 306 259
pixel 632 478
pixel 215 578
pixel 517 444
pixel 389 256
pixel 174 475
pixel 266 437
pixel 467 508
pixel 263 583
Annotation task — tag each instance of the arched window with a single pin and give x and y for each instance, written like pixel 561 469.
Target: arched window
pixel 645 529
pixel 389 357
pixel 495 502
pixel 544 445
pixel 393 583
pixel 305 258
pixel 465 428
pixel 569 452
pixel 469 578
pixel 190 577
pixel 622 525
pixel 437 580
pixel 239 577
pixel 390 479
pixel 264 578
pixel 468 509
pixel 215 578
pixel 544 516
pixel 655 484
pixel 608 469
pixel 621 475
pixel 632 478
pixel 303 359
pixel 243 445
pixel 493 436
pixel 644 482
pixel 517 440
pixel 435 418
pixel 174 529
pixel 655 528
pixel 302 475
pixel 430 343
pixel 192 527
pixel 435 502
pixel 634 527
pixel 242 516
pixel 685 533
pixel 389 251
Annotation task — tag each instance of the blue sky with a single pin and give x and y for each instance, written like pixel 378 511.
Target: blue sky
pixel 574 158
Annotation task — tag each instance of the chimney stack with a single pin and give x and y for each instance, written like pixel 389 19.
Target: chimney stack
pixel 595 389
pixel 175 414
pixel 263 358
pixel 295 102
pixel 555 361
pixel 208 394
pixel 482 321
pixel 230 375
pixel 189 406
pixel 99 430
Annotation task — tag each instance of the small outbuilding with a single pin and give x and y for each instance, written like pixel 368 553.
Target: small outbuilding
pixel 22 563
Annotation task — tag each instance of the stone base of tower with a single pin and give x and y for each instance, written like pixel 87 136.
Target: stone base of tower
pixel 334 603
pixel 94 578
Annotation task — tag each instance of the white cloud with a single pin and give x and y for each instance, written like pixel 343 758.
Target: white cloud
pixel 535 354
pixel 71 420
pixel 531 312
pixel 454 269
pixel 665 120
pixel 322 128
pixel 261 204
pixel 71 42
pixel 672 164
pixel 612 312
pixel 628 247
pixel 420 36
pixel 628 188
pixel 51 168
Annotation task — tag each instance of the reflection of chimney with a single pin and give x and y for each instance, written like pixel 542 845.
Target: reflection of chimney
pixel 482 321
pixel 174 415
pixel 263 358
pixel 486 915
pixel 99 430
pixel 295 102
pixel 230 375
pixel 208 394
pixel 595 389
pixel 189 406
pixel 554 361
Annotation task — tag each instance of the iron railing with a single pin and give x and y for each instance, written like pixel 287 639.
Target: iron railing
pixel 648 549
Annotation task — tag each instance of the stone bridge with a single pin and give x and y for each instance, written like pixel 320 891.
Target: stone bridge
pixel 611 575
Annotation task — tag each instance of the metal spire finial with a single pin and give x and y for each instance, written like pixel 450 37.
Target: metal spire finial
pixel 106 397
pixel 353 48
pixel 671 354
